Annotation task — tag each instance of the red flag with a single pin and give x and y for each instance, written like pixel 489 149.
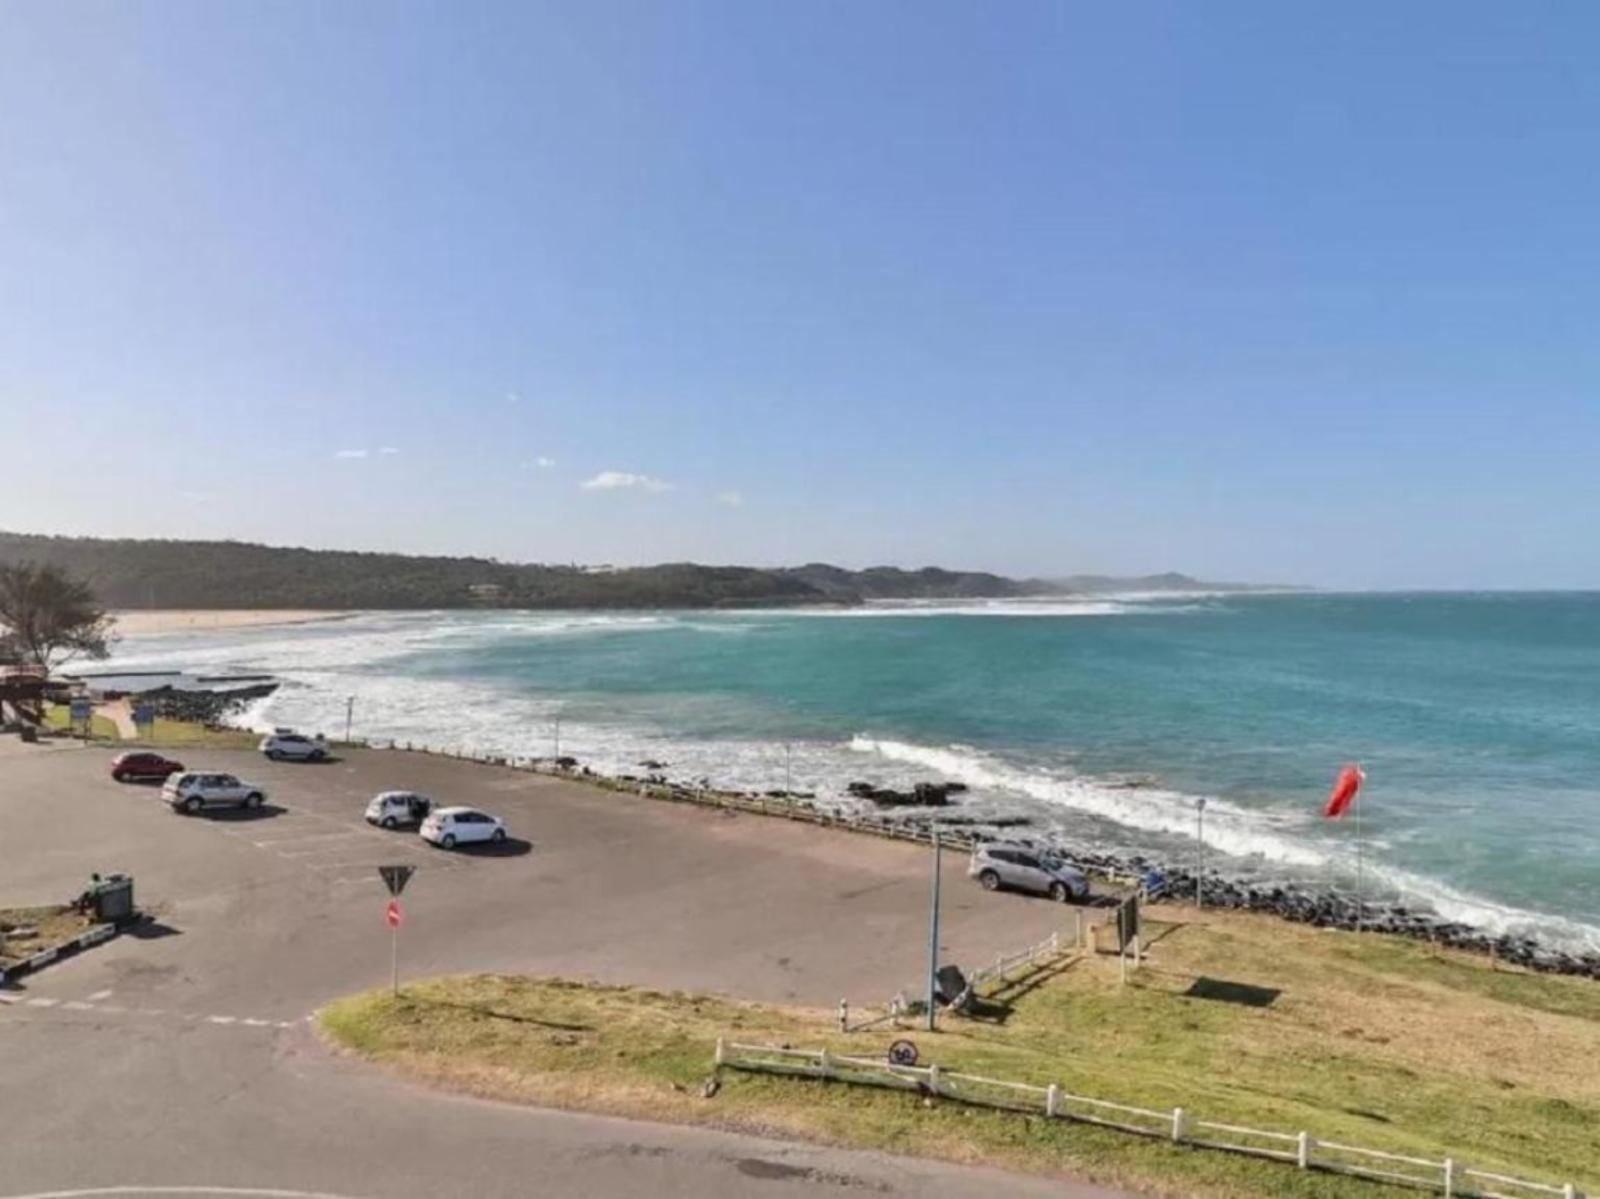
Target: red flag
pixel 1344 791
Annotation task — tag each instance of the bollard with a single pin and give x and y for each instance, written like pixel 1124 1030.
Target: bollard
pixel 825 1064
pixel 1449 1178
pixel 1179 1124
pixel 933 1079
pixel 1303 1151
pixel 721 1053
pixel 1052 1100
pixel 844 1016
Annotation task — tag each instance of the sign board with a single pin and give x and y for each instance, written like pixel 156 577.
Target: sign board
pixel 396 877
pixel 144 714
pixel 394 915
pixel 1127 922
pixel 82 710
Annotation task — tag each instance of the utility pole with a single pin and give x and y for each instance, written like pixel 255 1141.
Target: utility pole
pixel 1199 851
pixel 558 735
pixel 349 714
pixel 933 936
pixel 788 780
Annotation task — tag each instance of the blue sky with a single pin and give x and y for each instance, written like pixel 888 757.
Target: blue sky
pixel 1295 292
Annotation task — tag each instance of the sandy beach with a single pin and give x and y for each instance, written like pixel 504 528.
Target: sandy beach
pixel 192 620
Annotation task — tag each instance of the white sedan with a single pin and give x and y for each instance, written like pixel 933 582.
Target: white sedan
pixel 449 827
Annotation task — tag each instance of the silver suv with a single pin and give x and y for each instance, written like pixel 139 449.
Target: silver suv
pixel 996 866
pixel 193 790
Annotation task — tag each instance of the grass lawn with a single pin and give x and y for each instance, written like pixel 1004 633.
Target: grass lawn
pixel 1372 1041
pixel 58 719
pixel 178 734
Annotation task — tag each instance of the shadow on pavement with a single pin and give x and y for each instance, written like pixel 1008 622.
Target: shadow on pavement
pixel 242 815
pixel 494 1014
pixel 151 929
pixel 511 847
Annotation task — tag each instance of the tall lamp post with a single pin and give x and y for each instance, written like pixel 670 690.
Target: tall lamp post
pixel 557 736
pixel 1199 851
pixel 349 713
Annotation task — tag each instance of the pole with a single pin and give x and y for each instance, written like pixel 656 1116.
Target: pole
pixel 1360 882
pixel 788 781
pixel 394 960
pixel 349 713
pixel 933 935
pixel 1199 851
pixel 558 735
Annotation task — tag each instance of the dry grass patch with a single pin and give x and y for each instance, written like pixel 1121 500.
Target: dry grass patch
pixel 1381 1043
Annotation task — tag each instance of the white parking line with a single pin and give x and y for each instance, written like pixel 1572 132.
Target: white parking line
pixel 41 1001
pixel 77 1005
pixel 99 995
pixel 221 1019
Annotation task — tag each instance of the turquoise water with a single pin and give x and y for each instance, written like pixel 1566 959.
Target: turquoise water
pixel 1476 716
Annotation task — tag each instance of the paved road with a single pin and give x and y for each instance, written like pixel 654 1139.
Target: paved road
pixel 184 1058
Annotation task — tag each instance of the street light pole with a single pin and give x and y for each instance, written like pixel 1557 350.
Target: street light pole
pixel 349 714
pixel 788 780
pixel 933 935
pixel 1199 851
pixel 558 735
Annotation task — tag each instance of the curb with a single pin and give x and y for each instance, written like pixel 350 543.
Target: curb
pixel 93 936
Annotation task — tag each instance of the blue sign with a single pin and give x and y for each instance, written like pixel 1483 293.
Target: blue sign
pixel 82 709
pixel 144 714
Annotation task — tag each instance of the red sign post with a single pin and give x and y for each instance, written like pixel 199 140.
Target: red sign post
pixel 394 915
pixel 395 879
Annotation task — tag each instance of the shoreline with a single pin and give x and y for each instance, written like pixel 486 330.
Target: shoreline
pixel 142 622
pixel 1292 904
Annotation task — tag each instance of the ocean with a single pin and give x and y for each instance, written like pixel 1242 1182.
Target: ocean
pixel 1475 716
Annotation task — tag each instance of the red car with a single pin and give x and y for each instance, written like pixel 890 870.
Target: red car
pixel 142 766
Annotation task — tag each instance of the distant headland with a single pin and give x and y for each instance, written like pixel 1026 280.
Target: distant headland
pixel 167 574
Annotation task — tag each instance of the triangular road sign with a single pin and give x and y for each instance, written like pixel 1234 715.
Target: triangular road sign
pixel 396 877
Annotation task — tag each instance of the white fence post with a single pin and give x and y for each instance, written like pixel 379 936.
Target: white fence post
pixel 1052 1100
pixel 933 1079
pixel 1179 1123
pixel 844 1016
pixel 721 1052
pixel 825 1063
pixel 1303 1148
pixel 1569 1191
pixel 1449 1178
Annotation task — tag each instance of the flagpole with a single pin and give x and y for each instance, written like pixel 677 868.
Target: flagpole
pixel 1360 881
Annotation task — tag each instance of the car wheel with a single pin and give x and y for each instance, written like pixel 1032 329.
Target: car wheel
pixel 388 823
pixel 118 776
pixel 253 800
pixel 317 755
pixel 1060 892
pixel 192 804
pixel 989 880
pixel 448 841
pixel 499 836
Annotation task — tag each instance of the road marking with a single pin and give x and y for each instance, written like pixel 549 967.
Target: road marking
pixel 145 1192
pixel 221 1019
pixel 255 1023
pixel 41 1001
pixel 99 995
pixel 77 1005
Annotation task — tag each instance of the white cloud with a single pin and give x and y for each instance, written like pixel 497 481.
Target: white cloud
pixel 730 499
pixel 388 449
pixel 351 454
pixel 613 480
pixel 544 462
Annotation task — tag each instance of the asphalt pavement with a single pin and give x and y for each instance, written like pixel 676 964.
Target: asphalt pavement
pixel 182 1056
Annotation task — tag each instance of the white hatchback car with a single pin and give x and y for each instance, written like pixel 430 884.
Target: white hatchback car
pixel 193 790
pixel 449 827
pixel 296 746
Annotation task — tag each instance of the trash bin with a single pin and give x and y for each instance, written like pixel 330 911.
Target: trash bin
pixel 29 734
pixel 113 899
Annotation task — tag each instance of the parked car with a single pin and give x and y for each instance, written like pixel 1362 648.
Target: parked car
pixel 295 746
pixel 449 827
pixel 143 765
pixel 1026 869
pixel 391 809
pixel 191 791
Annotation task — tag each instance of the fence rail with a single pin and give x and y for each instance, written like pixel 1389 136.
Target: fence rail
pixel 1301 1149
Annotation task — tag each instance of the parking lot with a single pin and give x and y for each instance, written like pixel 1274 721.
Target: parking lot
pixel 185 1046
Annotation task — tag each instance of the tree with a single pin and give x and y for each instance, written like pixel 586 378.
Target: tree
pixel 47 618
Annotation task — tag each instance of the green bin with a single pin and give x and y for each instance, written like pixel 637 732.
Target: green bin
pixel 113 899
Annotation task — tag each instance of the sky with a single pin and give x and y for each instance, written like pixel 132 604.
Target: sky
pixel 1302 293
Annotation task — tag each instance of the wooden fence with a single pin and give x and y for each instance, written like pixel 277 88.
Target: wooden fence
pixel 1446 1176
